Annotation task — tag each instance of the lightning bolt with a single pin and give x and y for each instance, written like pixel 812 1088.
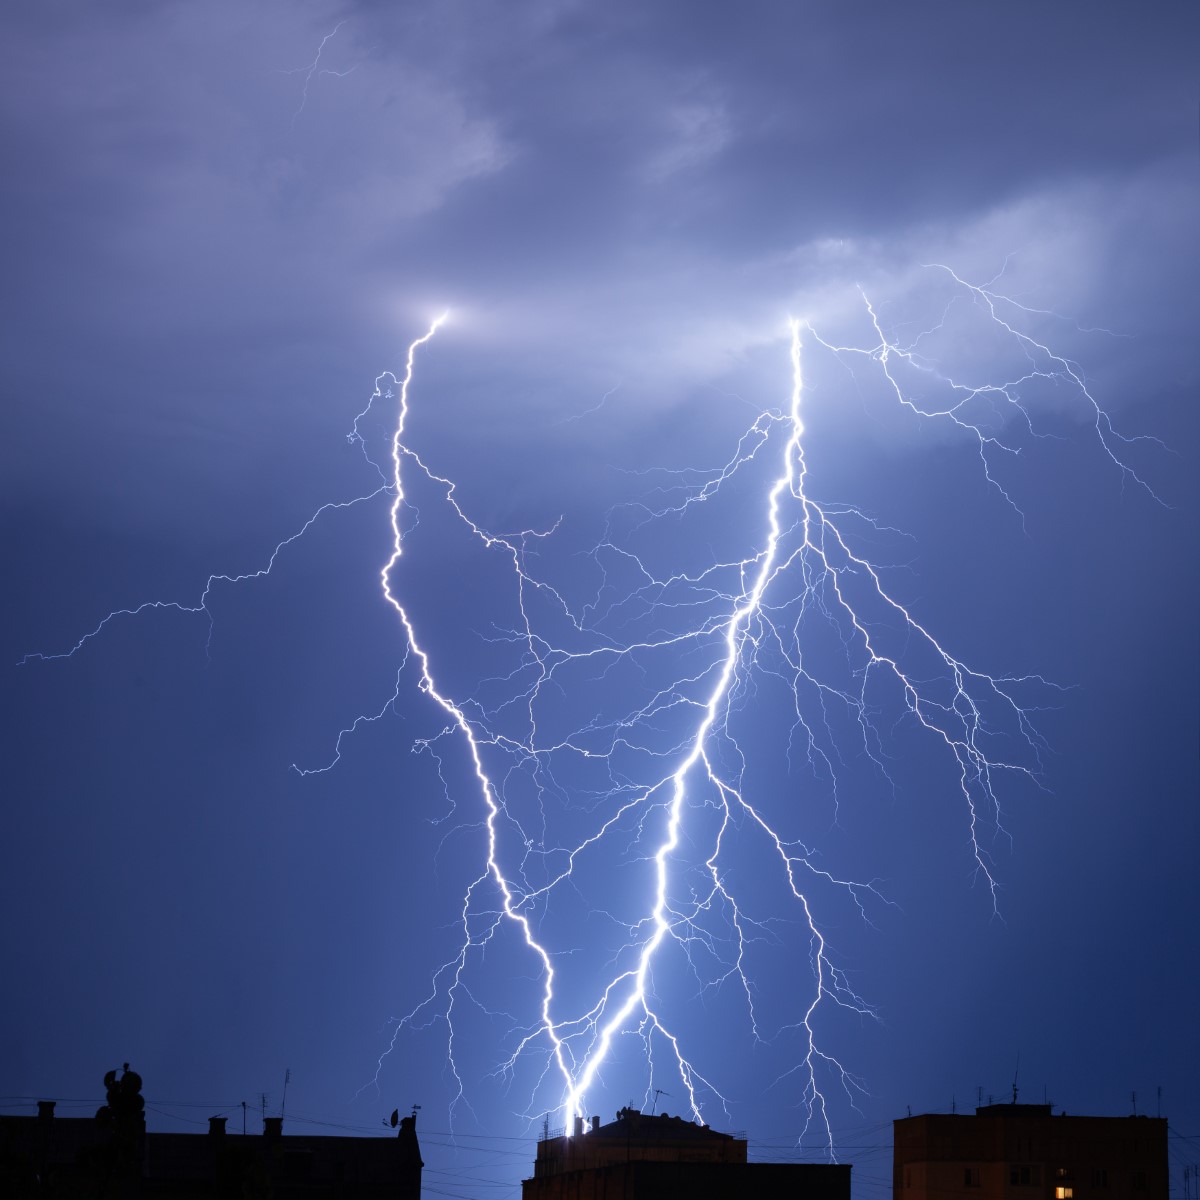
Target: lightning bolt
pixel 801 541
pixel 693 648
pixel 314 68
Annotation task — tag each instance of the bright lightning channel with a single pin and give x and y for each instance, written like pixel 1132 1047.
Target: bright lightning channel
pixel 821 555
pixel 741 617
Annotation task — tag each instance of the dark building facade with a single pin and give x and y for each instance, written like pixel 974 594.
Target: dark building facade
pixel 639 1157
pixel 112 1157
pixel 1024 1152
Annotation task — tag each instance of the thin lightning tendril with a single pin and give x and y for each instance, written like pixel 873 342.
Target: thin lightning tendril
pixel 314 68
pixel 674 771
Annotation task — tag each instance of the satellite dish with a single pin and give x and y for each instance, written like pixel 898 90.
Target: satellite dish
pixel 395 1117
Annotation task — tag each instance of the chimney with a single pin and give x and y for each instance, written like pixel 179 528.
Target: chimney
pixel 216 1126
pixel 595 1123
pixel 45 1110
pixel 272 1127
pixel 579 1127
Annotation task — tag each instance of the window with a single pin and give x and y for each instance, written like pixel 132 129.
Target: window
pixel 1099 1177
pixel 1021 1177
pixel 970 1177
pixel 1139 1181
pixel 1063 1193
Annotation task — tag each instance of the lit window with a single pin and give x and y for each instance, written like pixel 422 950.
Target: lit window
pixel 1063 1193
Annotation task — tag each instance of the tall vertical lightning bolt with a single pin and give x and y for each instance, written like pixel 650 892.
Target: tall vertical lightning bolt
pixel 488 793
pixel 790 480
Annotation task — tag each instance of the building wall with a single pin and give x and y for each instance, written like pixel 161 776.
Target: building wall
pixel 695 1181
pixel 1023 1152
pixel 576 1154
pixel 78 1158
pixel 639 1157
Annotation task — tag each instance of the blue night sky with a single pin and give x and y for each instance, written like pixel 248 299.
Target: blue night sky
pixel 226 220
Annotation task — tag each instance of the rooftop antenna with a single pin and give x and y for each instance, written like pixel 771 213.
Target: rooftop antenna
pixel 1158 1110
pixel 263 1097
pixel 953 1104
pixel 287 1078
pixel 657 1092
pixel 545 1127
pixel 1016 1072
pixel 1133 1097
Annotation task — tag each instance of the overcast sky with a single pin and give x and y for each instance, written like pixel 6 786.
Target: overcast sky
pixel 225 220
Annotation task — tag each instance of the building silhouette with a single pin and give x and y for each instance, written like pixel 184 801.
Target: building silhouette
pixel 1024 1152
pixel 112 1157
pixel 637 1157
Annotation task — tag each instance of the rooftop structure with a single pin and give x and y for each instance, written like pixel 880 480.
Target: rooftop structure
pixel 1024 1152
pixel 639 1156
pixel 112 1155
